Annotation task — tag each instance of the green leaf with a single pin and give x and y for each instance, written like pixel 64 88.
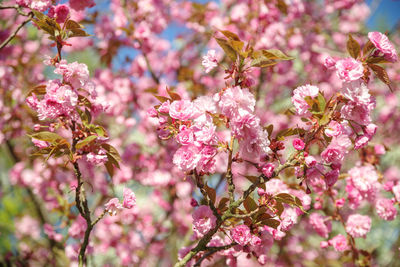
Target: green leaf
pixel 38 15
pixel 230 35
pixel 47 136
pixel 78 33
pixel 321 102
pixel 112 152
pixel 353 47
pixel 85 141
pixel 375 60
pixel 71 24
pixel 249 204
pixel 229 51
pixel 276 54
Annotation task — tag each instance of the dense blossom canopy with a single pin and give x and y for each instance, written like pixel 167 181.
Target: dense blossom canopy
pixel 262 133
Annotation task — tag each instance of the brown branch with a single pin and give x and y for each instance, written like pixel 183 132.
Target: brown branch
pixel 30 16
pixel 211 251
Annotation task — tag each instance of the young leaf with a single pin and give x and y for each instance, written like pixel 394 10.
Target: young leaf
pixel 353 47
pixel 381 74
pixel 211 193
pixel 230 35
pixel 249 204
pixel 173 95
pixel 229 51
pixel 71 24
pixel 271 223
pixel 276 54
pixel 46 136
pixel 162 99
pixel 85 141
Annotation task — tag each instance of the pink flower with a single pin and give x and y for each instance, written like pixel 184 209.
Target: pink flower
pixel 164 107
pixel 77 74
pixel 382 43
pixel 210 61
pixel 340 202
pixel 329 62
pixel 81 5
pixel 299 95
pixel 358 225
pixel 336 150
pixel 185 135
pixel 339 243
pixel 268 170
pixel 234 100
pixel 39 143
pixel 321 224
pixel 186 157
pixel 181 110
pixel 349 69
pixel 379 149
pixel 385 209
pixel 361 141
pixel 241 234
pixel 97 158
pixel 203 220
pixel 112 206
pixel 61 13
pixel 364 179
pixel 298 144
pixel 356 91
pixel 310 161
pixel 396 192
pixel 333 129
pixel 129 198
pixel 370 130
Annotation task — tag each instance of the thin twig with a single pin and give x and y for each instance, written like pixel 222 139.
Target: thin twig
pixel 30 16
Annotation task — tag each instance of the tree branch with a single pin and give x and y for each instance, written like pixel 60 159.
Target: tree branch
pixel 30 16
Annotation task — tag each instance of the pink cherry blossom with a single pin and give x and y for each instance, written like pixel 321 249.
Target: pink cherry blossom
pixel 129 199
pixel 299 95
pixel 349 69
pixel 339 243
pixel 203 220
pixel 382 43
pixel 358 225
pixel 210 61
pixel 321 224
pixel 385 209
pixel 186 157
pixel 333 129
pixel 298 144
pixel 113 206
pixel 241 234
pixel 181 110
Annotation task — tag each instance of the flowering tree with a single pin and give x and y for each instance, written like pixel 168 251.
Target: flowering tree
pixel 262 134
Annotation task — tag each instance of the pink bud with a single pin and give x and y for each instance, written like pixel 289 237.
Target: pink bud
pixel 361 142
pixel 193 202
pixel 310 161
pixel 268 170
pixel 152 112
pixel 340 202
pixel 379 149
pixel 260 192
pixel 298 144
pixel 36 127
